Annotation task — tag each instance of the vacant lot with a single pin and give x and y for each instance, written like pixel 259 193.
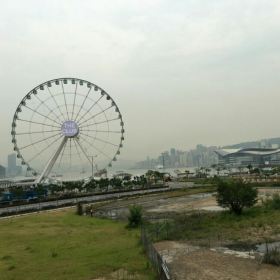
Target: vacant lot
pixel 62 245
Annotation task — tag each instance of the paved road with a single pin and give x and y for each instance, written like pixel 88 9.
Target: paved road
pixel 66 202
pixel 12 210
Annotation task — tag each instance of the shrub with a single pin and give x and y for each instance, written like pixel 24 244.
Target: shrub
pixel 80 210
pixel 236 195
pixel 135 216
pixel 273 203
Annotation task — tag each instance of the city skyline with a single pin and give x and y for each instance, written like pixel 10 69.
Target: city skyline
pixel 189 74
pixel 201 155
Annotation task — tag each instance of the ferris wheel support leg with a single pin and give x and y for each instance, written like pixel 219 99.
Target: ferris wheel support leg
pixel 51 162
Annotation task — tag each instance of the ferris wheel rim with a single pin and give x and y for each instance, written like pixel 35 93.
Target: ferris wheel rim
pixel 84 128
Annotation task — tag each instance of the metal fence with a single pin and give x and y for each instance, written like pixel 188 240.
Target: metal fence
pixel 155 258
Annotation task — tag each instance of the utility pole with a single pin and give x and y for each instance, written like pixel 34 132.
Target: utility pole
pixel 92 165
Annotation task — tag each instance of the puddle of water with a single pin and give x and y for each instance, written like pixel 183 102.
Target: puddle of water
pixel 242 247
pixel 212 208
pixel 200 195
pixel 261 248
pixel 247 251
pixel 239 254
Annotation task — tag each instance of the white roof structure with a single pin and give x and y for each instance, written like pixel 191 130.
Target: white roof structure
pixel 247 151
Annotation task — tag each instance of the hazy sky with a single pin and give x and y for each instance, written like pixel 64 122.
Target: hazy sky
pixel 182 72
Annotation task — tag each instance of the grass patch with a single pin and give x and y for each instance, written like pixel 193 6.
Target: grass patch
pixel 70 247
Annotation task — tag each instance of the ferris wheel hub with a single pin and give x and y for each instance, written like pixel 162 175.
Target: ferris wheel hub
pixel 70 129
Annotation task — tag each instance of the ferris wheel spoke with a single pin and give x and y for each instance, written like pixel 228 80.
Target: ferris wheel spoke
pixel 45 104
pixel 37 142
pixel 79 154
pixel 47 117
pixel 100 151
pixel 55 101
pixel 101 131
pixel 92 117
pixel 83 104
pixel 36 155
pixel 110 120
pixel 75 96
pixel 90 108
pixel 100 140
pixel 65 100
pixel 37 132
pixel 38 123
pixel 82 149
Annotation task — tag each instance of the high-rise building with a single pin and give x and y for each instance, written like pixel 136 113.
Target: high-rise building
pixel 13 169
pixel 2 172
pixel 12 160
pixel 173 152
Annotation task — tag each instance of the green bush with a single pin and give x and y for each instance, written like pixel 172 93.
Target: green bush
pixel 273 203
pixel 235 194
pixel 80 210
pixel 135 216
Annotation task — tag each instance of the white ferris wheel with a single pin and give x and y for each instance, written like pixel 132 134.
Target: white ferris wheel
pixel 67 127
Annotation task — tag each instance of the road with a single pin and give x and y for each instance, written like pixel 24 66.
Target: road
pixel 11 210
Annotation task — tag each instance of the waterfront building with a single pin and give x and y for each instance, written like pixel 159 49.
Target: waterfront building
pixel 243 157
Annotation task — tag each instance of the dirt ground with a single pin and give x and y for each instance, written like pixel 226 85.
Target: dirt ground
pixel 193 263
pixel 160 203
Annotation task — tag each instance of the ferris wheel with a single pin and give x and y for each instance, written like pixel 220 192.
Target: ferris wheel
pixel 67 128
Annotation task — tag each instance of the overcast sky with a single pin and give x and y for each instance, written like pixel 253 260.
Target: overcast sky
pixel 182 72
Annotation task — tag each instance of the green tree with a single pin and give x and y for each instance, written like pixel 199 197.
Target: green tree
pixel 154 176
pixel 91 185
pixel 236 195
pixel 103 183
pixel 116 183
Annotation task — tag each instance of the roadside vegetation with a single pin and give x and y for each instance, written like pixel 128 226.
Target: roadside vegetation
pixel 242 222
pixel 255 225
pixel 63 245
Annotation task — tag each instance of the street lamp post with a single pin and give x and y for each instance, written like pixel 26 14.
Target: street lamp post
pixel 92 165
pixel 162 161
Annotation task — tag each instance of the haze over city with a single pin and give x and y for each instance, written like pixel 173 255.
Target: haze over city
pixel 181 72
pixel 139 139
